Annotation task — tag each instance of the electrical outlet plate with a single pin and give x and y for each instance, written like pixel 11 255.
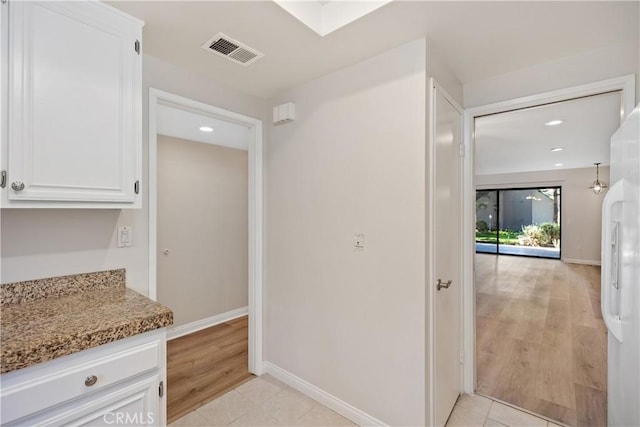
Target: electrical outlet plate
pixel 358 241
pixel 125 236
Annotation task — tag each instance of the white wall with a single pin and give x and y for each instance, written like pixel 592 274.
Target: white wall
pixel 203 221
pixel 53 242
pixel 581 210
pixel 600 64
pixel 349 322
pixel 38 243
pixel 440 71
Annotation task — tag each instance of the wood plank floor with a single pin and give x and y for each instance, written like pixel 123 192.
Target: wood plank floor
pixel 206 364
pixel 541 343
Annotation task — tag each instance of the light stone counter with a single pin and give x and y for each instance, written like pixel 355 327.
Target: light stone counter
pixel 45 319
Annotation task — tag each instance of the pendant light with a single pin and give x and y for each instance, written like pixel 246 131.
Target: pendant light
pixel 598 187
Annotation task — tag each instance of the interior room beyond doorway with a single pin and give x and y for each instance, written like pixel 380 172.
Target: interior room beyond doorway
pixel 540 338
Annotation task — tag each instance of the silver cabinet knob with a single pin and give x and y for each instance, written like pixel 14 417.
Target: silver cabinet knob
pixel 441 285
pixel 17 186
pixel 90 380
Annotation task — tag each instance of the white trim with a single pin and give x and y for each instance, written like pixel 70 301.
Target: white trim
pixel 354 414
pixel 431 243
pixel 153 195
pixel 626 84
pixel 431 314
pixel 581 261
pixel 198 325
pixel 524 185
pixel 255 306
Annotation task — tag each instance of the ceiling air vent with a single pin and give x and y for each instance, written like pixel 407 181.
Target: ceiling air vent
pixel 238 52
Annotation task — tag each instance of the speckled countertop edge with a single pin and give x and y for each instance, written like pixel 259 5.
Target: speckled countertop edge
pixel 34 290
pixel 44 329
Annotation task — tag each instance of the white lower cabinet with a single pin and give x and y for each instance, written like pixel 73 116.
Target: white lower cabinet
pixel 134 404
pixel 117 384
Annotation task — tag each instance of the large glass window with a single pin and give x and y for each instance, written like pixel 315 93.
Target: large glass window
pixel 522 221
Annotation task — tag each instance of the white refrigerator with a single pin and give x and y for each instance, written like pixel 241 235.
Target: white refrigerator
pixel 621 274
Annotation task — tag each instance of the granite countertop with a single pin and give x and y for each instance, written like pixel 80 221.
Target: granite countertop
pixel 49 318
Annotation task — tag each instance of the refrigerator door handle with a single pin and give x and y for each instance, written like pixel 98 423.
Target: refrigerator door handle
pixel 614 196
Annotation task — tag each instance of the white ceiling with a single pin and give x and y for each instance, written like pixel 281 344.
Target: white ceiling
pixel 186 125
pixel 519 141
pixel 477 39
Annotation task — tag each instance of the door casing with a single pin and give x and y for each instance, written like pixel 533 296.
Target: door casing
pixel 256 221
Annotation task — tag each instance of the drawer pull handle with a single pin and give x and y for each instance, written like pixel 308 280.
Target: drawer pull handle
pixel 90 380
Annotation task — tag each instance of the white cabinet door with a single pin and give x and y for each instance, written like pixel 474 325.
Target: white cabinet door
pixel 135 404
pixel 74 103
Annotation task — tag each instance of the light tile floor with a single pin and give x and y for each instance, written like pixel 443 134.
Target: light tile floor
pixel 265 401
pixel 472 411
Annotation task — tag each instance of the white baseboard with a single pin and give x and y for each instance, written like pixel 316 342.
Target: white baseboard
pixel 189 328
pixel 581 261
pixel 330 401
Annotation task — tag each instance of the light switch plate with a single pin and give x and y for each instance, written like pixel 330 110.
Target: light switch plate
pixel 125 236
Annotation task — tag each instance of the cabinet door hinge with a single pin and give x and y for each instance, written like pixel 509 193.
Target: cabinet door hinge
pixel 136 46
pixel 3 179
pixel 462 151
pixel 462 357
pixel 161 389
pixel 136 187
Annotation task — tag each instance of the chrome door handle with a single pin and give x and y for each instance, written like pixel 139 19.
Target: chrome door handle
pixel 441 285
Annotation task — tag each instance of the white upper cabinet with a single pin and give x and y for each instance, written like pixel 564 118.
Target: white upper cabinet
pixel 74 106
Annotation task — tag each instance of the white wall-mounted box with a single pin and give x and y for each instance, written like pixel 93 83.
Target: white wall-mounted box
pixel 284 113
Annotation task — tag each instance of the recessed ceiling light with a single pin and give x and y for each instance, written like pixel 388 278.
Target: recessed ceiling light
pixel 558 165
pixel 554 123
pixel 206 129
pixel 557 149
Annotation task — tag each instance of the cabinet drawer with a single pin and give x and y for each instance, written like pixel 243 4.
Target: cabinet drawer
pixel 64 383
pixel 135 403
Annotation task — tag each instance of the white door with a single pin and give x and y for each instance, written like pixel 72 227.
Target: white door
pixel 447 250
pixel 74 103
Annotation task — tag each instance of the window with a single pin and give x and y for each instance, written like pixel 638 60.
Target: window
pixel 521 221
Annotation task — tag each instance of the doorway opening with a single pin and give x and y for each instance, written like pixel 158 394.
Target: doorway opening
pixel 541 342
pixel 519 221
pixel 205 243
pixel 533 333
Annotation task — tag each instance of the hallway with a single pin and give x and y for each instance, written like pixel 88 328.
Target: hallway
pixel 541 343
